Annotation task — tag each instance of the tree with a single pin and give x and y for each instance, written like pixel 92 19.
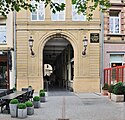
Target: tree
pixel 82 6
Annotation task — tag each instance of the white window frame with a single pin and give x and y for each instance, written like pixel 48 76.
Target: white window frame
pixel 79 17
pixel 114 28
pixel 58 14
pixel 38 11
pixel 3 34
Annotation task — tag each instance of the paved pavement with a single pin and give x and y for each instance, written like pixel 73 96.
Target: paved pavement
pixel 74 106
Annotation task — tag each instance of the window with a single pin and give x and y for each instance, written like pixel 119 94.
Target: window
pixel 114 22
pixel 116 60
pixel 76 16
pixel 58 16
pixel 39 14
pixel 2 34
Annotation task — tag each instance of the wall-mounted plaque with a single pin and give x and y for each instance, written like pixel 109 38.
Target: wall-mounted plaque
pixel 94 37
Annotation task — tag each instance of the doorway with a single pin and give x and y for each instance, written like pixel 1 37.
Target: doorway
pixel 4 71
pixel 59 54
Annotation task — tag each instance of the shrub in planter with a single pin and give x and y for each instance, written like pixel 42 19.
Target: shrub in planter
pixel 42 90
pixel 42 96
pixel 36 98
pixel 118 88
pixel 118 92
pixel 22 110
pixel 30 108
pixel 110 88
pixel 105 89
pixel 13 107
pixel 36 101
pixel 21 106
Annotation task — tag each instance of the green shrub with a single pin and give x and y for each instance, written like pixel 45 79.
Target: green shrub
pixel 42 90
pixel 110 88
pixel 29 103
pixel 42 94
pixel 36 98
pixel 105 87
pixel 14 101
pixel 118 88
pixel 21 106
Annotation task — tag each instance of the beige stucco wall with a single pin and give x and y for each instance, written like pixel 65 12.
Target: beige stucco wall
pixel 29 69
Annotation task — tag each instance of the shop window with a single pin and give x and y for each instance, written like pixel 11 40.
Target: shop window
pixel 2 34
pixel 58 16
pixel 114 22
pixel 39 14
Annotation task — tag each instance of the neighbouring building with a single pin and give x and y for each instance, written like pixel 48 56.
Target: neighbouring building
pixel 58 42
pixel 7 78
pixel 114 34
pixel 114 42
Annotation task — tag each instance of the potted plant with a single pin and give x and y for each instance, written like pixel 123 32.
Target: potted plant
pixel 42 90
pixel 30 108
pixel 36 101
pixel 13 107
pixel 42 96
pixel 105 89
pixel 29 88
pixel 22 110
pixel 118 92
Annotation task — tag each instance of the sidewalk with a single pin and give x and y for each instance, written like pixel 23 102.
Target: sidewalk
pixel 82 106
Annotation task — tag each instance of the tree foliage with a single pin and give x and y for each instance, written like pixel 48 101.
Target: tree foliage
pixel 83 6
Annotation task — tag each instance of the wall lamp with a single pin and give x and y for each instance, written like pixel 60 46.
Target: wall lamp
pixel 31 45
pixel 85 43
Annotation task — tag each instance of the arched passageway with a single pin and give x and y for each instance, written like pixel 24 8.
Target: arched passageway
pixel 58 60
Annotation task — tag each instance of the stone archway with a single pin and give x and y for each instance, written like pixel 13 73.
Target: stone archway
pixel 63 35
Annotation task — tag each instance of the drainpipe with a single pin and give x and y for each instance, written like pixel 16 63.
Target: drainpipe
pixel 102 51
pixel 14 37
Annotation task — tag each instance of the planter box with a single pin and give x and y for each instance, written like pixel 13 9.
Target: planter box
pixel 22 113
pixel 117 98
pixel 30 110
pixel 13 110
pixel 42 99
pixel 36 104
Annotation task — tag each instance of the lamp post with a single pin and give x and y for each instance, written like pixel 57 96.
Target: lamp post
pixel 85 43
pixel 31 45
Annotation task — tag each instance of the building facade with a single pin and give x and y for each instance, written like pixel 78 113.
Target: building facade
pixel 58 42
pixel 7 78
pixel 114 34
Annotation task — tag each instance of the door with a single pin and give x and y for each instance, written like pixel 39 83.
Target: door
pixel 4 72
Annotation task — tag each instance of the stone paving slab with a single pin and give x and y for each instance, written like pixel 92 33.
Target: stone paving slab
pixel 82 106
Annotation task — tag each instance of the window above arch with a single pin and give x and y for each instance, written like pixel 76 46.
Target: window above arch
pixel 58 16
pixel 39 14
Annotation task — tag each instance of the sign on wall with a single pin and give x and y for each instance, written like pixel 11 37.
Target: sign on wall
pixel 94 37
